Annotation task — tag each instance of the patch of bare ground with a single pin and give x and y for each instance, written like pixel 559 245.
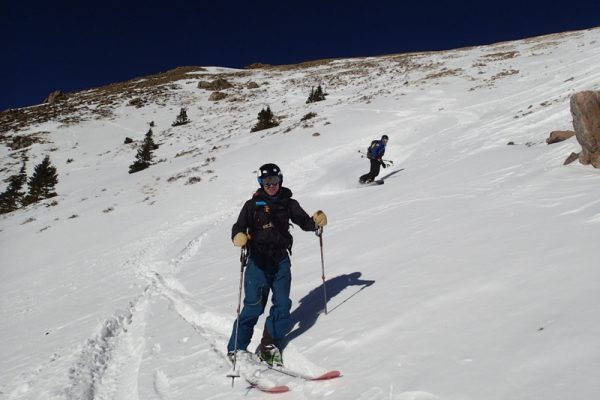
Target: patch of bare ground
pixel 504 74
pixel 444 73
pixel 18 142
pixel 504 55
pixel 97 102
pixel 553 37
pixel 291 67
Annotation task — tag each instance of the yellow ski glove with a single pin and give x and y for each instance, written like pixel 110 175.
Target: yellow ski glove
pixel 240 239
pixel 320 219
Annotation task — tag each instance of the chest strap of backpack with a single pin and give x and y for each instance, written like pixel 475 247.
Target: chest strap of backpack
pixel 267 211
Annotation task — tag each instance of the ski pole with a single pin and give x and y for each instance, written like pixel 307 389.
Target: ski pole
pixel 319 233
pixel 243 259
pixel 364 155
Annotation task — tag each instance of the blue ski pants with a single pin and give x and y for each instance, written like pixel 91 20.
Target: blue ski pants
pixel 275 277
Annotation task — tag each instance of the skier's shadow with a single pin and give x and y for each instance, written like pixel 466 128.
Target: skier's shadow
pixel 312 305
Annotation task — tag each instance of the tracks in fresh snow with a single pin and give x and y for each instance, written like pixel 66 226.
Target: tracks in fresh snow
pixel 108 364
pixel 125 360
pixel 109 361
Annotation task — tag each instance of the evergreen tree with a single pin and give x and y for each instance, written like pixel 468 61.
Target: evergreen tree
pixel 181 119
pixel 266 120
pixel 12 198
pixel 316 95
pixel 144 156
pixel 42 182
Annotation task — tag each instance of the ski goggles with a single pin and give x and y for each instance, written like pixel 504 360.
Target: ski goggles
pixel 270 181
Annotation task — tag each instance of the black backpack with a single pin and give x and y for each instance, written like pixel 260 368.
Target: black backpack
pixel 373 143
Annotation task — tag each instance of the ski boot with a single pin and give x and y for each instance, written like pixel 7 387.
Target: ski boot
pixel 270 354
pixel 241 355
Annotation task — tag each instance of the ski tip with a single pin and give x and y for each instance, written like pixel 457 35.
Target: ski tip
pixel 328 375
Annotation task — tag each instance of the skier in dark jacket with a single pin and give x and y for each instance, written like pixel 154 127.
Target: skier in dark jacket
pixel 375 154
pixel 263 227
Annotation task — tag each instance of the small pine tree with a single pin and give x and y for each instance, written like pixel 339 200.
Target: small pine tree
pixel 42 182
pixel 316 95
pixel 311 96
pixel 266 120
pixel 12 198
pixel 181 119
pixel 144 156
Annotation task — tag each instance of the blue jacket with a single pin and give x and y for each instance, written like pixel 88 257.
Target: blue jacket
pixel 377 150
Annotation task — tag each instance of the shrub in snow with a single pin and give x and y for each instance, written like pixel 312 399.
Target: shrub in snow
pixel 181 119
pixel 316 95
pixel 308 116
pixel 266 120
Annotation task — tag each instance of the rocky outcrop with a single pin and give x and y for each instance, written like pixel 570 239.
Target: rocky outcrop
pixel 572 157
pixel 559 136
pixel 257 66
pixel 585 109
pixel 55 96
pixel 216 85
pixel 216 96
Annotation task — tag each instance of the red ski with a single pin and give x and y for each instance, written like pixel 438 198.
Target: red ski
pixel 325 376
pixel 271 389
pixel 256 382
pixel 263 387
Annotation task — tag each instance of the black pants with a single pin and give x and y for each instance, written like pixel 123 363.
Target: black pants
pixel 375 167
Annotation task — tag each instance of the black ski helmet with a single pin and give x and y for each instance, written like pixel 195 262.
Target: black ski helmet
pixel 384 137
pixel 267 170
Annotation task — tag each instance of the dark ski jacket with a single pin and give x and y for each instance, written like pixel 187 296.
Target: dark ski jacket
pixel 267 220
pixel 377 150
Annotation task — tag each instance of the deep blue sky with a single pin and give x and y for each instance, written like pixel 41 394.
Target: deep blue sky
pixel 74 45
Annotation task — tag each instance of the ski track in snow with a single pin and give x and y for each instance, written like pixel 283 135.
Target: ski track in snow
pixel 161 385
pixel 108 364
pixel 109 358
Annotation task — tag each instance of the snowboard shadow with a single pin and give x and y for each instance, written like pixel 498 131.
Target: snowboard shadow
pixel 311 306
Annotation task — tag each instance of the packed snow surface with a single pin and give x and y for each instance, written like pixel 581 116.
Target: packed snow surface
pixel 471 274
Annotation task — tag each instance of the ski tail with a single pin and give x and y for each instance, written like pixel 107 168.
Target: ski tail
pixel 270 389
pixel 324 376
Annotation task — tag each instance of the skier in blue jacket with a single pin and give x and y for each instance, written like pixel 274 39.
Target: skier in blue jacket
pixel 263 228
pixel 375 154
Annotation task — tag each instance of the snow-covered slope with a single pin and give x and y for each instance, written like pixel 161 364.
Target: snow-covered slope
pixel 471 274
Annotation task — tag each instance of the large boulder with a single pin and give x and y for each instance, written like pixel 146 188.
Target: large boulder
pixel 585 109
pixel 559 136
pixel 216 96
